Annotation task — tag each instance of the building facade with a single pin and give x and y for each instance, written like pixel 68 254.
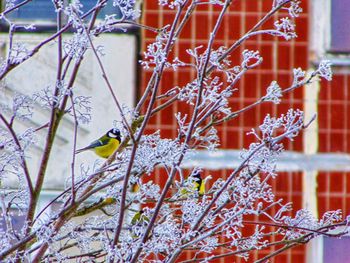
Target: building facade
pixel 314 172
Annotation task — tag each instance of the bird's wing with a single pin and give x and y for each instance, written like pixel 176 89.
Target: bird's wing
pixel 94 144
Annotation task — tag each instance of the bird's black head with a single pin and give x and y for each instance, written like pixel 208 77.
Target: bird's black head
pixel 196 174
pixel 114 133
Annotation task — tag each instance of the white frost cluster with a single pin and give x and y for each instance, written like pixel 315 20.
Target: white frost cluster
pixel 155 55
pixel 287 27
pixel 273 93
pixel 128 9
pixel 171 4
pixel 324 70
pixel 155 151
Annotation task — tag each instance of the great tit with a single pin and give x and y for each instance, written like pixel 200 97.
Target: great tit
pixel 106 145
pixel 139 218
pixel 138 223
pixel 197 185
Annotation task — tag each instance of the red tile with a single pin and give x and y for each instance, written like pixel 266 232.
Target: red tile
pixel 301 57
pixel 337 140
pixel 282 182
pixel 283 57
pixel 322 182
pixel 250 21
pixel 297 202
pixel 336 182
pixel 250 86
pixel 250 118
pixel 323 95
pixel 337 116
pixel 167 81
pixel 335 203
pixel 151 5
pixel 305 6
pixel 297 182
pixel 236 5
pixel 221 33
pixel 232 142
pixel 298 94
pixel 184 77
pixel 266 52
pixel 202 30
pixel 297 144
pixel 251 6
pixel 186 30
pixel 299 257
pixel 283 79
pixel 302 29
pixel 324 145
pixel 181 50
pixel 338 87
pixel 168 18
pixel 167 115
pixel 266 5
pixel 322 205
pixel 203 7
pixel 322 115
pixel 234 24
pixel 152 19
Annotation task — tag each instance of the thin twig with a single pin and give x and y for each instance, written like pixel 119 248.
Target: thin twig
pixel 23 160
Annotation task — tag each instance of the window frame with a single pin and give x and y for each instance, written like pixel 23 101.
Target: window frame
pixel 321 37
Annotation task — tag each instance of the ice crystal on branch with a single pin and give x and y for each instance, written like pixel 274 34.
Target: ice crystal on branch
pixel 294 9
pixel 171 4
pixel 324 70
pixel 22 107
pixel 82 109
pixel 287 27
pixel 304 220
pixel 210 140
pixel 251 59
pixel 156 53
pixel 18 53
pixel 263 154
pixel 274 93
pixel 127 8
pixel 298 76
pixel 154 150
pixel 76 46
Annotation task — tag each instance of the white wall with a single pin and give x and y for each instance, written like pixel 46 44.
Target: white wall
pixel 40 71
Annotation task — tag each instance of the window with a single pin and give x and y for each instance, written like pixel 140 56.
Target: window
pixel 340 30
pixel 336 250
pixel 43 11
pixel 330 32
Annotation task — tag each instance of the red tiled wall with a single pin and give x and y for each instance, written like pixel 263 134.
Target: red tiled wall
pixel 333 192
pixel 334 114
pixel 334 136
pixel 280 57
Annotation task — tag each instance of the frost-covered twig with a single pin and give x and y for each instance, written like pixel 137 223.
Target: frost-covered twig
pixel 21 153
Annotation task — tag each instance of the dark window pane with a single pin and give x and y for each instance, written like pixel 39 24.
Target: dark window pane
pixel 336 250
pixel 44 10
pixel 107 10
pixel 37 9
pixel 340 29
